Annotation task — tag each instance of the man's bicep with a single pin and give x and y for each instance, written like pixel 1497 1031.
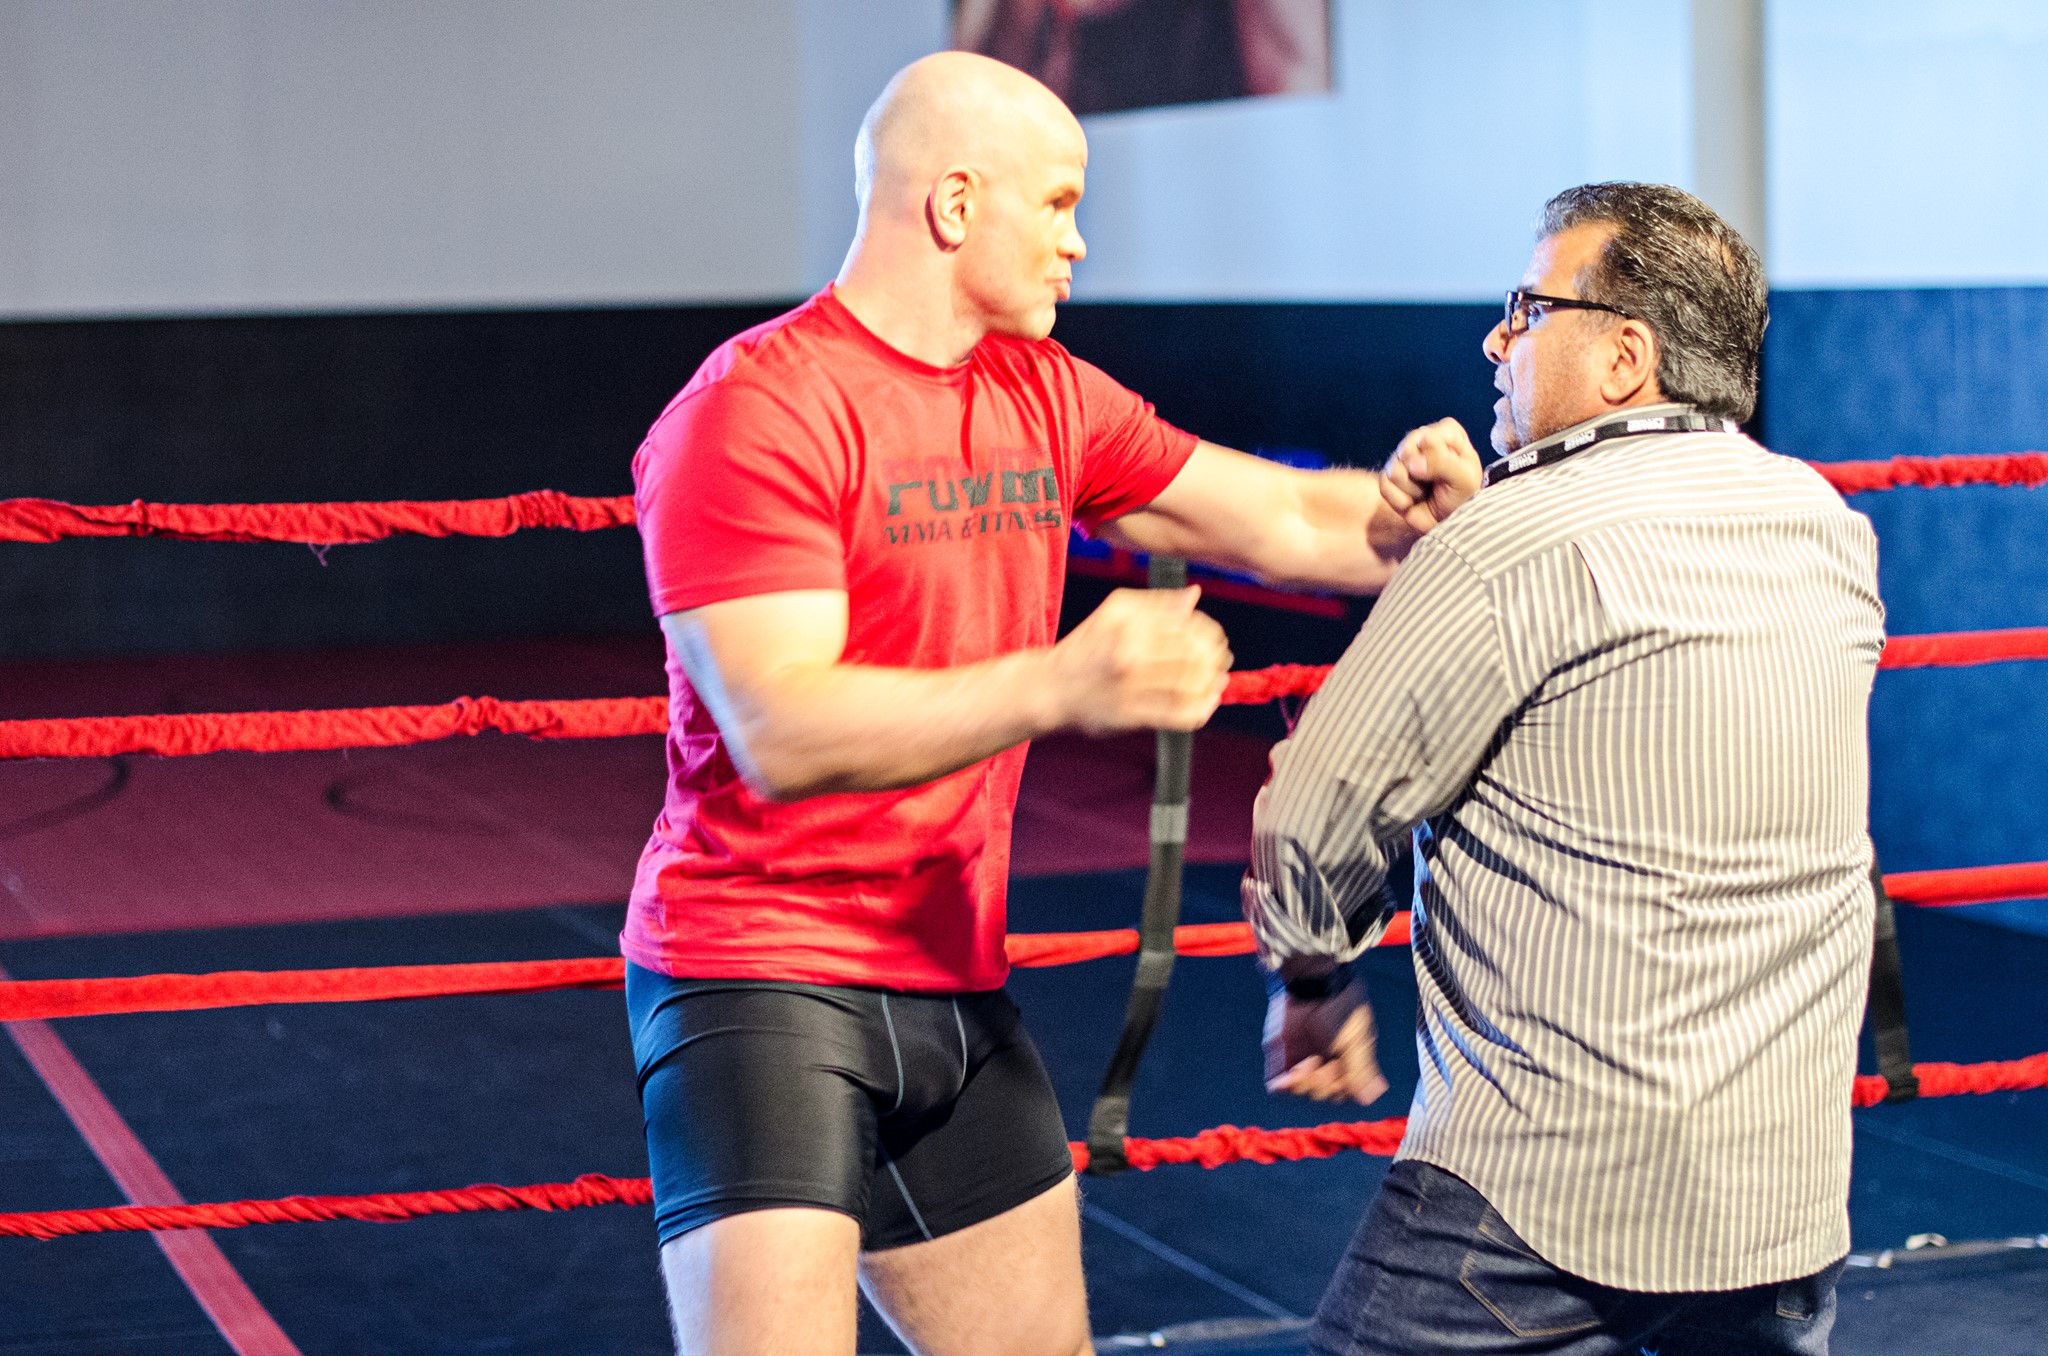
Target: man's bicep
pixel 734 650
pixel 1216 494
pixel 1332 528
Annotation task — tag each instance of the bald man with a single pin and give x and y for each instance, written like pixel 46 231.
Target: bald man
pixel 855 520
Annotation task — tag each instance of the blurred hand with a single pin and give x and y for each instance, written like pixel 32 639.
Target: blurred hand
pixel 1434 470
pixel 1145 659
pixel 1323 1048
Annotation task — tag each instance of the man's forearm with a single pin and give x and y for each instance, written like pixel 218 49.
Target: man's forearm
pixel 1323 529
pixel 801 721
pixel 1349 529
pixel 851 727
pixel 1336 531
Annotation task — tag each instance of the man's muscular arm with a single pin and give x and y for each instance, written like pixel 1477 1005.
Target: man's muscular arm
pixel 1341 529
pixel 800 722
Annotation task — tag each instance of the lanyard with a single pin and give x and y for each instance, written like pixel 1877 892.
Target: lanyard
pixel 1529 458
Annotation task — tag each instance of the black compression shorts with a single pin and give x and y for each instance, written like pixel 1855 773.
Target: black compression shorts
pixel 915 1114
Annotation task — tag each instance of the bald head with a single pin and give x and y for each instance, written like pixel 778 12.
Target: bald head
pixel 969 173
pixel 957 110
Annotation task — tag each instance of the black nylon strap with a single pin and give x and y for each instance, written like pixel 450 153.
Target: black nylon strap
pixel 1886 1012
pixel 1553 450
pixel 1110 1120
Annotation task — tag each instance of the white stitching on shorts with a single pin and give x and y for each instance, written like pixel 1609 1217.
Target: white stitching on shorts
pixel 890 1163
pixel 896 1050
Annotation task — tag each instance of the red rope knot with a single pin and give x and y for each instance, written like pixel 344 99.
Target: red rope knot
pixel 474 715
pixel 539 508
pixel 587 515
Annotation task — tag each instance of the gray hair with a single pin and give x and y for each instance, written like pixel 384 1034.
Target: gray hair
pixel 1675 265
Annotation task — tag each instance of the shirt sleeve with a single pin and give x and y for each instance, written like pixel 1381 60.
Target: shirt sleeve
pixel 1131 455
pixel 736 496
pixel 1396 733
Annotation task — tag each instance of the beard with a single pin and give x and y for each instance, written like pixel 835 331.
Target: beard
pixel 1504 436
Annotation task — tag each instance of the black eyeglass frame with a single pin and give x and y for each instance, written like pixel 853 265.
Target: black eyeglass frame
pixel 1519 299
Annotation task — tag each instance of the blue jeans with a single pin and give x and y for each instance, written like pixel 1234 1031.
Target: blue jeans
pixel 1433 1268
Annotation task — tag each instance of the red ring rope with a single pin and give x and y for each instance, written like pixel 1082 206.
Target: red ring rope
pixel 336 524
pixel 1211 1148
pixel 605 717
pixel 31 999
pixel 48 520
pixel 1946 649
pixel 2003 468
pixel 357 727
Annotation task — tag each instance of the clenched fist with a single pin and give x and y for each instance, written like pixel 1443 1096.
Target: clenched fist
pixel 1323 1048
pixel 1434 470
pixel 1143 660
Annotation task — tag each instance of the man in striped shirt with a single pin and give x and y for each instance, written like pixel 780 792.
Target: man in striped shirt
pixel 1619 697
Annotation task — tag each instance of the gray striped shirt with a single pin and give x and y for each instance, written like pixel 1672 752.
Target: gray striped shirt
pixel 1620 700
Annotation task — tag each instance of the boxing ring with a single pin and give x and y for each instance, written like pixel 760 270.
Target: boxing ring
pixel 320 526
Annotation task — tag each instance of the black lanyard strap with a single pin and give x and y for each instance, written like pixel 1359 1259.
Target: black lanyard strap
pixel 1547 452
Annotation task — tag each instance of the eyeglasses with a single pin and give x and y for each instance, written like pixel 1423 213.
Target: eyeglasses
pixel 1525 307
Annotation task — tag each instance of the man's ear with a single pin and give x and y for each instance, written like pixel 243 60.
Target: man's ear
pixel 949 209
pixel 1632 371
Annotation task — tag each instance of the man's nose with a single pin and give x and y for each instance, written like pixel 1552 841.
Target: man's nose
pixel 1495 345
pixel 1074 248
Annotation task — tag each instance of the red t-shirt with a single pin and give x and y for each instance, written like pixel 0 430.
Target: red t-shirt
pixel 808 454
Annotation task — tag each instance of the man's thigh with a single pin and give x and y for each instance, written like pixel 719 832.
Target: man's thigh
pixel 777 1280
pixel 760 1138
pixel 1007 1286
pixel 974 1234
pixel 754 1098
pixel 790 1126
pixel 984 1142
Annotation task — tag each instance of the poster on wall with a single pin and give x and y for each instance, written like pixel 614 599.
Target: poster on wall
pixel 1102 56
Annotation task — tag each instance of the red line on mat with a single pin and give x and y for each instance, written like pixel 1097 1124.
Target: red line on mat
pixel 215 1284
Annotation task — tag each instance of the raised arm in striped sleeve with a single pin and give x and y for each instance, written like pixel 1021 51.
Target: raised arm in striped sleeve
pixel 1395 735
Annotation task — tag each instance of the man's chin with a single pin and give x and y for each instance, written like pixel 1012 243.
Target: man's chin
pixel 1031 326
pixel 1504 436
